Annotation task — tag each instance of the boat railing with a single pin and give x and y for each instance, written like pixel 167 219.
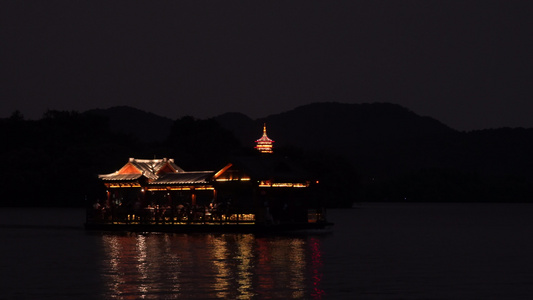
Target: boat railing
pixel 167 217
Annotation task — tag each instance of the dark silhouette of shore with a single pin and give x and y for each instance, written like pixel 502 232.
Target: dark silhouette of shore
pixel 360 153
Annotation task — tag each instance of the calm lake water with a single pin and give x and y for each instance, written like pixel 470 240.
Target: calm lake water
pixel 377 251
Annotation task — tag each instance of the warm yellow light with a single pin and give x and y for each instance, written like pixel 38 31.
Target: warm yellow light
pixel 122 184
pixel 241 217
pixel 179 188
pixel 233 179
pixel 300 185
pixel 217 174
pixel 283 184
pixel 156 189
pixel 204 188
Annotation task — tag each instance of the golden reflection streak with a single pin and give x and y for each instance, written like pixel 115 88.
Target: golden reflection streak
pixel 241 266
pixel 297 257
pixel 112 277
pixel 233 267
pixel 220 254
pixel 245 272
pixel 121 250
pixel 142 264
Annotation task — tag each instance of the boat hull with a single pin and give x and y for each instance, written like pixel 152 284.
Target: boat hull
pixel 208 228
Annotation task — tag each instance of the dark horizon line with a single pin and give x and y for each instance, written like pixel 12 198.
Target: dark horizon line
pixel 253 119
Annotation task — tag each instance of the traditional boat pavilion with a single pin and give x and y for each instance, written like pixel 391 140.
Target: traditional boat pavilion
pixel 256 189
pixel 144 180
pixel 160 184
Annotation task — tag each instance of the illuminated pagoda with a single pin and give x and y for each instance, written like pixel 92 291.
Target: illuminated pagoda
pixel 264 144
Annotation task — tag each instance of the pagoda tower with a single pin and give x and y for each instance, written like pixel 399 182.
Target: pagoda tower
pixel 264 144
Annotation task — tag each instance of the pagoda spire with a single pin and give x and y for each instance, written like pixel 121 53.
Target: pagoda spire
pixel 264 144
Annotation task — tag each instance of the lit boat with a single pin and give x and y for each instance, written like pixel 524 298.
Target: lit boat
pixel 262 193
pixel 253 194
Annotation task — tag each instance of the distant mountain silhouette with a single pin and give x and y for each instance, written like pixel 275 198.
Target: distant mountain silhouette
pixel 359 152
pixel 377 137
pixel 380 139
pixel 390 153
pixel 398 155
pixel 147 127
pixel 243 127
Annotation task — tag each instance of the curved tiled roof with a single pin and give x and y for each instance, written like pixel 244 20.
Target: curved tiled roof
pixel 119 177
pixel 149 168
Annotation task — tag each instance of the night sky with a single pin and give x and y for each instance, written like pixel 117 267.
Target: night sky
pixel 466 63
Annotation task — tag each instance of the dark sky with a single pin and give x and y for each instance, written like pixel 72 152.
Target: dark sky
pixel 466 63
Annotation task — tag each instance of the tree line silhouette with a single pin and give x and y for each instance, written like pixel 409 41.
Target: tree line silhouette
pixel 54 161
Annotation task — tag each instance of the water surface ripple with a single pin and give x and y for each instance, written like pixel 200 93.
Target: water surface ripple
pixel 377 251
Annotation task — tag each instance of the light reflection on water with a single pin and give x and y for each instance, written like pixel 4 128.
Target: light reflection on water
pixel 236 266
pixel 378 251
